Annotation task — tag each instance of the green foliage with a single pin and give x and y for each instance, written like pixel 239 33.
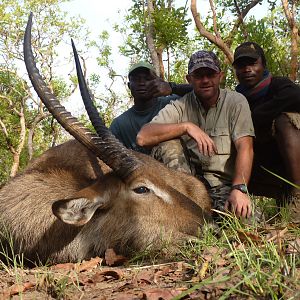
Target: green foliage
pixel 274 42
pixel 170 31
pixel 230 6
pixel 170 26
pixel 60 88
pixel 12 97
pixel 108 102
pixel 50 27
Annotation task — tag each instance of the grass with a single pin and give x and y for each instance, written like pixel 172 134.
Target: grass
pixel 59 286
pixel 56 285
pixel 252 258
pixel 232 261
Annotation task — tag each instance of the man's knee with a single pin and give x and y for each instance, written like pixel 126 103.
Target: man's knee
pixel 286 134
pixel 171 154
pixel 287 124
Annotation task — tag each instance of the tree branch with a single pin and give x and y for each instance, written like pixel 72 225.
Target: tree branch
pixel 212 38
pixel 8 140
pixel 240 20
pixel 212 6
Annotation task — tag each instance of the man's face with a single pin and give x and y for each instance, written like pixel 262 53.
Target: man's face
pixel 138 83
pixel 249 71
pixel 205 82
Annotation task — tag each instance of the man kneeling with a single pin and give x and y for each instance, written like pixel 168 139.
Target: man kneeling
pixel 216 129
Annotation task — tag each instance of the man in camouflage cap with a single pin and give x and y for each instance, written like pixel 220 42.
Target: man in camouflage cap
pixel 203 59
pixel 216 129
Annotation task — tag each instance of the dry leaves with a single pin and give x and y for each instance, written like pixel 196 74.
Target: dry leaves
pixel 78 267
pixel 161 281
pixel 248 236
pixel 112 259
pixel 16 289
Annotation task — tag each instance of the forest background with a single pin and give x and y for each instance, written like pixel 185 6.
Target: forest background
pixel 164 32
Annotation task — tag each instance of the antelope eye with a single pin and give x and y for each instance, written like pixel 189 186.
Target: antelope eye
pixel 141 190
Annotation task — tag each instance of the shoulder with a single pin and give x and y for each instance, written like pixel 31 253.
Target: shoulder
pixel 232 97
pixel 124 114
pixel 163 101
pixel 282 88
pixel 121 118
pixel 175 101
pixel 278 82
pixel 281 80
pixel 184 99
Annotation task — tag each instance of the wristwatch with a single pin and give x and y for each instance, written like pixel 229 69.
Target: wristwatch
pixel 241 187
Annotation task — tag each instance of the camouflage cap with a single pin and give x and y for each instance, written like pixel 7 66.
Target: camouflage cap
pixel 249 49
pixel 203 59
pixel 141 64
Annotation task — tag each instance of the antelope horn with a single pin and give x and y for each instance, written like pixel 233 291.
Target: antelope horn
pixel 106 147
pixel 97 122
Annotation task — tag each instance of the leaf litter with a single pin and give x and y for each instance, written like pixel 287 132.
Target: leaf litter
pixel 211 274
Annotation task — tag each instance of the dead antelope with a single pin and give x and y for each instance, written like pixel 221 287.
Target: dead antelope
pixel 89 194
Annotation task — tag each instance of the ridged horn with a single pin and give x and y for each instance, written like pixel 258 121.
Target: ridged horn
pixel 115 147
pixel 106 147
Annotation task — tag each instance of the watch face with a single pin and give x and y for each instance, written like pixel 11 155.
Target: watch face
pixel 240 187
pixel 243 188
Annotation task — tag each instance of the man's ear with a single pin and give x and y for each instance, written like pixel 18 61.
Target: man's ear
pixel 221 75
pixel 188 78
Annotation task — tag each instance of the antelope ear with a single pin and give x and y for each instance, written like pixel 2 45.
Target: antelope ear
pixel 75 211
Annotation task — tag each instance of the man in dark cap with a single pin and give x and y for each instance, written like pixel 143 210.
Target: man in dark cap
pixel 275 107
pixel 215 126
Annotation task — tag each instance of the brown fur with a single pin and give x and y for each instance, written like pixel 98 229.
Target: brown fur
pixel 102 210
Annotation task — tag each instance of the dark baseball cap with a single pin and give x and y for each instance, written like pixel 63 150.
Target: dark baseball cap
pixel 203 59
pixel 249 49
pixel 141 64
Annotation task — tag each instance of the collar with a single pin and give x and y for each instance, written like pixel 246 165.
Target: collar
pixel 220 99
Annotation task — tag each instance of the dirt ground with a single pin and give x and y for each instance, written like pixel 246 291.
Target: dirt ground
pixel 92 280
pixel 213 275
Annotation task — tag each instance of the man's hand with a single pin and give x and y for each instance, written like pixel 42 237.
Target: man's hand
pixel 157 87
pixel 206 145
pixel 239 204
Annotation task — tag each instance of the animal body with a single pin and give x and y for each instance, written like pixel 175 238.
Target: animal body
pixel 90 194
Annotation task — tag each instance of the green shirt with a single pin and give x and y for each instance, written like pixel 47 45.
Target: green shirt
pixel 126 126
pixel 225 122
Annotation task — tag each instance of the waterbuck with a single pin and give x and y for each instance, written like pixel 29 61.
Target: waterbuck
pixel 89 194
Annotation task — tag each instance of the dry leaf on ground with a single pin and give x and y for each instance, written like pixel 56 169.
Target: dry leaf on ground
pixel 16 289
pixel 89 265
pixel 113 259
pixel 165 294
pixel 246 236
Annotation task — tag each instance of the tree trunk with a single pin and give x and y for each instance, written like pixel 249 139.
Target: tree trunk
pixel 38 118
pixel 290 15
pixel 161 64
pixel 16 154
pixel 149 29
